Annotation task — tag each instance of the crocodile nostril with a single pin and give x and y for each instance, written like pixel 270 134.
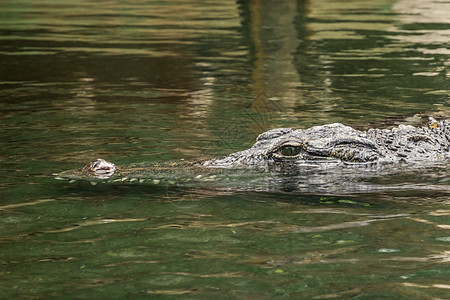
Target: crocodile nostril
pixel 100 167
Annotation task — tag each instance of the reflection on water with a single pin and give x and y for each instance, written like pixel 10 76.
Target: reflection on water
pixel 132 81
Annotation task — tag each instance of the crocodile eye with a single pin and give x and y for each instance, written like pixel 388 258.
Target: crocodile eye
pixel 289 150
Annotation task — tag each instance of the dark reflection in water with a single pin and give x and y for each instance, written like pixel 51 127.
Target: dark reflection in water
pixel 132 81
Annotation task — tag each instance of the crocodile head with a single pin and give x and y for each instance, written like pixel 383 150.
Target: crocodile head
pixel 286 150
pixel 333 143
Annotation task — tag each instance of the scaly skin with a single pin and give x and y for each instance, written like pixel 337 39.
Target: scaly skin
pixel 340 143
pixel 284 149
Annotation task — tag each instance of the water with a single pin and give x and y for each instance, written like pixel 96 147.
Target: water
pixel 133 81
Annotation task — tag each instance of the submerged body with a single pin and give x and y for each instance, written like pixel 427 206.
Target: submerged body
pixel 333 150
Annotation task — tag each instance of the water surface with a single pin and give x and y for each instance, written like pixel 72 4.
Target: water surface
pixel 134 81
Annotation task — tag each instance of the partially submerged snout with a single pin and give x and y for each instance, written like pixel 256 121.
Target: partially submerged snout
pixel 96 169
pixel 288 149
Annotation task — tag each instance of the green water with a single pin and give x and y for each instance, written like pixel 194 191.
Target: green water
pixel 134 81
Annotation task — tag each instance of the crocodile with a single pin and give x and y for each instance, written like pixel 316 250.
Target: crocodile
pixel 334 149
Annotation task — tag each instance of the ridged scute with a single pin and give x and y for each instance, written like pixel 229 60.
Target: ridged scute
pixel 337 142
